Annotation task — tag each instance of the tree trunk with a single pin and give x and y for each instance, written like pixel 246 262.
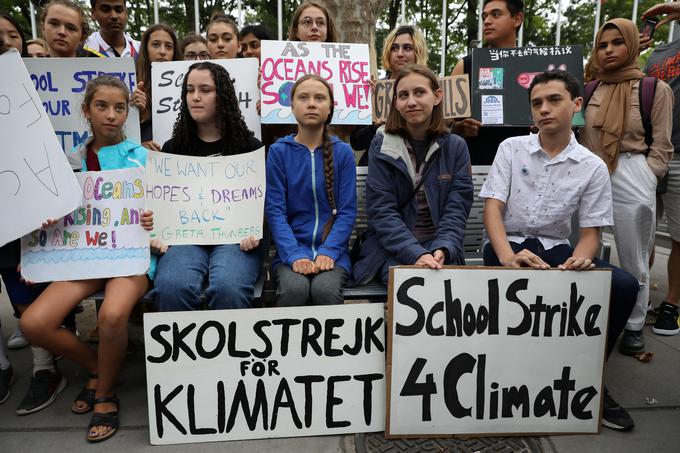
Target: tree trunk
pixel 356 21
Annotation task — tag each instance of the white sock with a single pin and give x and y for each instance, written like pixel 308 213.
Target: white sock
pixel 4 361
pixel 42 359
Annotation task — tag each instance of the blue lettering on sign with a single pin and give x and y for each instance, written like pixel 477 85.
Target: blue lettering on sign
pixel 83 77
pixel 43 82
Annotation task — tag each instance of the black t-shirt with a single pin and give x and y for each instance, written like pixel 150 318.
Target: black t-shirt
pixel 216 148
pixel 483 147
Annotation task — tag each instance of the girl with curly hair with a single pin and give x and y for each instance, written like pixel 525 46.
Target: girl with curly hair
pixel 209 124
pixel 311 201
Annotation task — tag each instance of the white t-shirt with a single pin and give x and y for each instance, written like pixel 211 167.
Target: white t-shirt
pixel 96 42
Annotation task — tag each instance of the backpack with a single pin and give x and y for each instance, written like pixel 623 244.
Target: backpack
pixel 646 93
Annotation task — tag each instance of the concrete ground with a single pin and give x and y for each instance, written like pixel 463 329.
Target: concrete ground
pixel 649 391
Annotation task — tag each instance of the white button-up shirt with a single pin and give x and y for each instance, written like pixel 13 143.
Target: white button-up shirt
pixel 97 43
pixel 541 194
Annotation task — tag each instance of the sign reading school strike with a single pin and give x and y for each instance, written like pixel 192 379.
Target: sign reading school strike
pixel 456 101
pixel 261 373
pixel 167 78
pixel 102 238
pixel 493 351
pixel 345 66
pixel 206 200
pixel 61 84
pixel 36 181
pixel 501 78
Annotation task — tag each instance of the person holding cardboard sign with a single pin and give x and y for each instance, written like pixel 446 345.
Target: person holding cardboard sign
pixel 535 185
pixel 209 123
pixel 311 201
pixel 419 189
pixel 405 45
pixel 105 106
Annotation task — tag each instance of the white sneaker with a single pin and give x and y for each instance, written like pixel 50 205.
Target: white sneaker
pixel 17 340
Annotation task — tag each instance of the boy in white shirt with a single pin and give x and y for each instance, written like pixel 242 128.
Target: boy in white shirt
pixel 111 40
pixel 535 185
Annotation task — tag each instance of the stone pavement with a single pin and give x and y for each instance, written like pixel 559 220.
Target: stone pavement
pixel 650 392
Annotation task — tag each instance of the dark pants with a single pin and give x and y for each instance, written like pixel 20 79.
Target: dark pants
pixel 324 288
pixel 623 291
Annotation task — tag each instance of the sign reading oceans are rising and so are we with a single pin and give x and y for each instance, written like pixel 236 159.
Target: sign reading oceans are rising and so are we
pixel 346 67
pixel 206 200
pixel 102 238
pixel 61 84
pixel 494 350
pixel 36 181
pixel 265 372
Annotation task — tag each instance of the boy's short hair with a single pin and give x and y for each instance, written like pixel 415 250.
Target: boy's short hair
pixel 514 6
pixel 93 4
pixel 570 82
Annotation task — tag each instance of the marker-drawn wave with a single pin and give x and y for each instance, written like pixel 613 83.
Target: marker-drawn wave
pixel 340 116
pixel 74 255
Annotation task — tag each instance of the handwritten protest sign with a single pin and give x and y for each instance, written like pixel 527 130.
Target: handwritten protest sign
pixel 36 181
pixel 456 102
pixel 101 238
pixel 270 372
pixel 501 77
pixel 345 66
pixel 61 84
pixel 206 200
pixel 167 78
pixel 490 351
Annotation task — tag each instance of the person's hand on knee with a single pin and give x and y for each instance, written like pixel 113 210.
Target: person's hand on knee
pixel 304 266
pixel 577 264
pixel 525 258
pixel 324 263
pixel 428 261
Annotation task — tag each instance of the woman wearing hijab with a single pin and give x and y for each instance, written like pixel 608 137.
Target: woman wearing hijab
pixel 615 132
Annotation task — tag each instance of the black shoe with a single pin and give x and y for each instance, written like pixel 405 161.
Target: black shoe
pixel 667 321
pixel 44 388
pixel 6 377
pixel 632 342
pixel 614 416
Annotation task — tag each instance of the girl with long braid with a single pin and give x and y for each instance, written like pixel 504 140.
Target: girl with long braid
pixel 209 124
pixel 311 201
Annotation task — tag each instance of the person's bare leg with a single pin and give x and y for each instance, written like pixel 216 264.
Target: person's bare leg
pixel 120 296
pixel 673 296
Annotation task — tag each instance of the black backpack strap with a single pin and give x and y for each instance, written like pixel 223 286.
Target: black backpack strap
pixel 646 93
pixel 588 93
pixel 467 64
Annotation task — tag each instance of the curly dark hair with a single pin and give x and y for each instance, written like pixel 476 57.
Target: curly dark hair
pixel 228 118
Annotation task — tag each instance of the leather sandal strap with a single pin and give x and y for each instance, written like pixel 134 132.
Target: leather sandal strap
pixel 107 399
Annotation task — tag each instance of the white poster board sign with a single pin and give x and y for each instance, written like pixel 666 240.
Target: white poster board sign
pixel 61 84
pixel 261 373
pixel 102 238
pixel 206 200
pixel 495 351
pixel 345 66
pixel 167 78
pixel 36 181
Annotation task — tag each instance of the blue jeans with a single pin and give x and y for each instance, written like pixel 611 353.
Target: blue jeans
pixel 624 287
pixel 184 270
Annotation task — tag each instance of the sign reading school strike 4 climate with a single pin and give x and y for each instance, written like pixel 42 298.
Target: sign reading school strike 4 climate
pixel 345 66
pixel 206 200
pixel 36 181
pixel 268 372
pixel 493 350
pixel 102 238
pixel 167 78
pixel 61 84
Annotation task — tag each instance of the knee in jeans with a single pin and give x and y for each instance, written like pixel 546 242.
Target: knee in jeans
pixel 326 295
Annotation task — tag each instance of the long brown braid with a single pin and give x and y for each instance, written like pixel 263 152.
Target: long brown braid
pixel 327 145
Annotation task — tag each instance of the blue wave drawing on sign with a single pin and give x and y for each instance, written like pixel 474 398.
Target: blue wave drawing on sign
pixel 66 256
pixel 353 116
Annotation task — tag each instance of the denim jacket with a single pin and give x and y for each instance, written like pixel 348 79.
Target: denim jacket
pixel 390 183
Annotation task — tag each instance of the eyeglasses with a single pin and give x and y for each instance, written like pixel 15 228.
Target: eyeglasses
pixel 307 22
pixel 407 48
pixel 197 56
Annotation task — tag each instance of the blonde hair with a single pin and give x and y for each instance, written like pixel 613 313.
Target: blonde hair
pixel 419 45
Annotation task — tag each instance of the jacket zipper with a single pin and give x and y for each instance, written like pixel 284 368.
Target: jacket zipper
pixel 316 207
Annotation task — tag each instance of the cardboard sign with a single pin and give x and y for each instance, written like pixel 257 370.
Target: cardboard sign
pixel 61 84
pixel 501 78
pixel 36 180
pixel 167 78
pixel 261 373
pixel 486 351
pixel 345 66
pixel 102 238
pixel 206 200
pixel 456 101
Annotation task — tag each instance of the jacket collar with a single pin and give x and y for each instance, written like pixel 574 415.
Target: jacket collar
pixel 394 146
